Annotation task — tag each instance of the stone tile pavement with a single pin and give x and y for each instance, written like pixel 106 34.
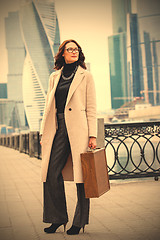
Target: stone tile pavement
pixel 130 210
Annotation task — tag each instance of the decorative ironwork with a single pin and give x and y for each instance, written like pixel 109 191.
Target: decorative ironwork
pixel 25 143
pixel 133 149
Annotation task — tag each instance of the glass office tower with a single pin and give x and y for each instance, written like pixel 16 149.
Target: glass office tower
pixel 118 53
pixel 16 56
pixel 118 73
pixel 40 31
pixel 3 90
pixel 149 41
pixel 134 58
pixel 140 27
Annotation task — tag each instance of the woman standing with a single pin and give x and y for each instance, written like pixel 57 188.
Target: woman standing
pixel 68 126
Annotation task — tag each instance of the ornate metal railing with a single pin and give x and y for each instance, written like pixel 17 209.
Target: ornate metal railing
pixel 28 143
pixel 133 150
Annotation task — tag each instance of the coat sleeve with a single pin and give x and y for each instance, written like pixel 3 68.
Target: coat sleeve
pixel 91 106
pixel 50 86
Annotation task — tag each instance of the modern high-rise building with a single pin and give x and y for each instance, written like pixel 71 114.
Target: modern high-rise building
pixel 16 56
pixel 32 40
pixel 118 53
pixel 120 8
pixel 138 54
pixel 41 38
pixel 149 41
pixel 9 113
pixel 3 90
pixel 118 73
pixel 134 58
pixel 3 99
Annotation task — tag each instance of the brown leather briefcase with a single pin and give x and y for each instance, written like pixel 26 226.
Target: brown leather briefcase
pixel 95 173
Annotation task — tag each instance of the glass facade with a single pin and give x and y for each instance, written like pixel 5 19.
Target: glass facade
pixel 118 73
pixel 118 53
pixel 41 38
pixel 142 66
pixel 134 57
pixel 57 38
pixel 16 56
pixel 10 113
pixel 120 8
pixel 32 40
pixel 149 42
pixel 3 90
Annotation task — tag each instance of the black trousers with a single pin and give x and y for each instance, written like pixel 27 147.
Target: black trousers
pixel 55 209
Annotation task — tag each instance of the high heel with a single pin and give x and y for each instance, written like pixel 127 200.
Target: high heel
pixel 74 230
pixel 64 226
pixel 53 227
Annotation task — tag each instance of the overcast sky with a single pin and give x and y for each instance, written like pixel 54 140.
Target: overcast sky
pixel 86 21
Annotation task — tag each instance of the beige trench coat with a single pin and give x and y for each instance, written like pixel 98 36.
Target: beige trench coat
pixel 80 118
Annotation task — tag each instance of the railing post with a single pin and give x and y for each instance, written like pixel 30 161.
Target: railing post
pixel 8 141
pixel 31 144
pixel 16 139
pixel 15 142
pixel 4 141
pixel 100 133
pixel 11 141
pixel 21 143
pixel 38 145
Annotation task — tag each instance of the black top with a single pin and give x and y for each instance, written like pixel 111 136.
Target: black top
pixel 64 85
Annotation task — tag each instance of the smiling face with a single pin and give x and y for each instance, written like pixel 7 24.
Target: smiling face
pixel 69 55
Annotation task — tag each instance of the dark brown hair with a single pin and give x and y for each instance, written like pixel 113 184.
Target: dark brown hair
pixel 59 59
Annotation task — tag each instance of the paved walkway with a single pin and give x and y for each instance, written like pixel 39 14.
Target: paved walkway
pixel 130 210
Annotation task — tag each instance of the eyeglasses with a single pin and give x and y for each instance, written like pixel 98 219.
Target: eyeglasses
pixel 71 50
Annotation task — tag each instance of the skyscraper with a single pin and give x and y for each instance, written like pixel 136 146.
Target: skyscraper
pixel 134 58
pixel 118 53
pixel 16 55
pixel 140 57
pixel 41 39
pixel 3 90
pixel 32 40
pixel 118 73
pixel 149 41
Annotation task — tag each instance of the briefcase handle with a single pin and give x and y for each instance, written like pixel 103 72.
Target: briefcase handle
pixel 92 150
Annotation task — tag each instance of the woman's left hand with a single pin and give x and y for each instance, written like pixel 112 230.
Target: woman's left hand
pixel 92 142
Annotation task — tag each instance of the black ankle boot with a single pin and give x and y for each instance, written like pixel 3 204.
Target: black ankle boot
pixel 54 227
pixel 74 230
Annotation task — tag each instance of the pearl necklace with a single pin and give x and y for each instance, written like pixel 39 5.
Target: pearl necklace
pixel 72 74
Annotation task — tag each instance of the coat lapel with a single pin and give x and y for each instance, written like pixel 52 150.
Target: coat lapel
pixel 52 93
pixel 76 81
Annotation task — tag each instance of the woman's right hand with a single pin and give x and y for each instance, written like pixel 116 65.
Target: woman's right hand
pixel 92 142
